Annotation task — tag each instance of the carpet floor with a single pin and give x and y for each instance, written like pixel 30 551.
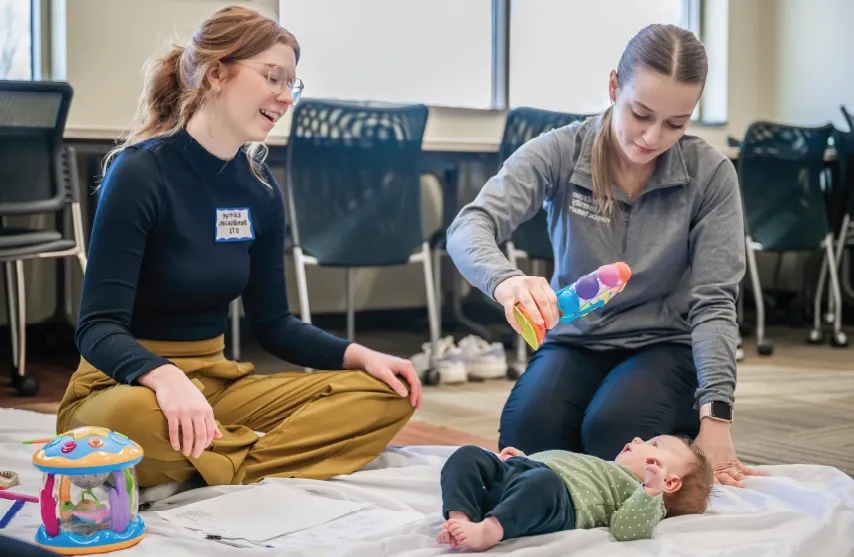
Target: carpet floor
pixel 796 406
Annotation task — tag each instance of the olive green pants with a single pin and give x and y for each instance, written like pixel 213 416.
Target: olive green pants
pixel 316 425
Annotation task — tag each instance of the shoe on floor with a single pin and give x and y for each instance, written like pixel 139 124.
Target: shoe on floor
pixel 482 359
pixel 448 361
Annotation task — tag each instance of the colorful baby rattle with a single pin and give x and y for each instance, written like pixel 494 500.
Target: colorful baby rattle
pixel 89 496
pixel 588 293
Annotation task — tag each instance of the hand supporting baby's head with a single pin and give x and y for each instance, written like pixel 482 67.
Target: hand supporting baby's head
pixel 677 467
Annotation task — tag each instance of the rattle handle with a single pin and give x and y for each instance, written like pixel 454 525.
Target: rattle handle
pixel 4 494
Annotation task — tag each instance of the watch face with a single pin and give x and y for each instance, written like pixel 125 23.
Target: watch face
pixel 721 410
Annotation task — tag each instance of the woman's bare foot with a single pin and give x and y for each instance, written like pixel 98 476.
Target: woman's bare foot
pixel 477 536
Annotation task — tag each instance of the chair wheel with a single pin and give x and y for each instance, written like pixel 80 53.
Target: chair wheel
pixel 26 385
pixel 513 372
pixel 816 336
pixel 765 348
pixel 839 340
pixel 432 377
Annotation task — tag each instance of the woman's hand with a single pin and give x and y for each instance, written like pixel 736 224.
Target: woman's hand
pixel 185 407
pixel 386 368
pixel 536 296
pixel 715 439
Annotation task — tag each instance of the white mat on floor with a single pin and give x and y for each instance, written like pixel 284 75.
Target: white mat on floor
pixel 799 512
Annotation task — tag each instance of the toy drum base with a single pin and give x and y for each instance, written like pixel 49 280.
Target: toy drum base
pixel 103 541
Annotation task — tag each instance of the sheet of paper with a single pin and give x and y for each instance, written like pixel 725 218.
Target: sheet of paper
pixel 262 512
pixel 349 528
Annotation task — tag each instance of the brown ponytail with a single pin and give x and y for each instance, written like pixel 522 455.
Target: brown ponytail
pixel 176 85
pixel 662 48
pixel 602 169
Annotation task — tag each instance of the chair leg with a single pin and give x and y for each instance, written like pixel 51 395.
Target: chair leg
pixel 845 271
pixel 302 286
pixel 763 345
pixel 841 251
pixel 12 309
pixel 838 249
pixel 22 318
pixel 437 275
pixel 839 338
pixel 235 328
pixel 432 301
pixel 351 303
pixel 816 336
pixel 25 385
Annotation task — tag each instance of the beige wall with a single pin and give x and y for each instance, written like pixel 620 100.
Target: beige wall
pixel 108 41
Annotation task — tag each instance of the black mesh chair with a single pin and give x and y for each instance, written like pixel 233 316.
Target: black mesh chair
pixel 841 211
pixel 38 175
pixel 531 238
pixel 783 177
pixel 354 193
pixel 845 232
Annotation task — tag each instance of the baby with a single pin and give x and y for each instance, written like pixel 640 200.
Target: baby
pixel 488 498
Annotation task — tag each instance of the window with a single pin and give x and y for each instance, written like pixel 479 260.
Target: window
pixel 16 39
pixel 439 53
pixel 561 51
pixel 490 54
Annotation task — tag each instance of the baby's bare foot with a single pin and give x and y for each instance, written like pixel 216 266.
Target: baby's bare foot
pixel 458 515
pixel 477 536
pixel 444 536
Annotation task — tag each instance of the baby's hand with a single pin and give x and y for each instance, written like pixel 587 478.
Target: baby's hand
pixel 507 452
pixel 655 472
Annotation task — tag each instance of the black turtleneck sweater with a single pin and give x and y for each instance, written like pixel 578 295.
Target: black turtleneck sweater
pixel 178 234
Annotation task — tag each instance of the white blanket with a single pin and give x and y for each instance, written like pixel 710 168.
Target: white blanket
pixel 799 511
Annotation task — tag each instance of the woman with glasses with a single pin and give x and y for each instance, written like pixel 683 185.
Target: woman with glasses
pixel 190 218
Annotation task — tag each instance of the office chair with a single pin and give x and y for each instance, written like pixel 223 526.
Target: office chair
pixel 38 174
pixel 782 174
pixel 354 195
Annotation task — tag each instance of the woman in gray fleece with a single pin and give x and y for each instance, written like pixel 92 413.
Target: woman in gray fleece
pixel 627 185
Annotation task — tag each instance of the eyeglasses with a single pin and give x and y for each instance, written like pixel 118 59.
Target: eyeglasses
pixel 278 83
pixel 278 80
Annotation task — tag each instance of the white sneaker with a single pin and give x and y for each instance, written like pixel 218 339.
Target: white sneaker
pixel 483 360
pixel 448 361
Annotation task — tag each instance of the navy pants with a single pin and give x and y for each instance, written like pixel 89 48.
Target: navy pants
pixel 595 402
pixel 13 546
pixel 526 497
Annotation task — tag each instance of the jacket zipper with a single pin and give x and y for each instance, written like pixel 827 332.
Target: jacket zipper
pixel 626 228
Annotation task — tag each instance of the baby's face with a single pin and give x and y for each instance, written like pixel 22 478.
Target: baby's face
pixel 672 452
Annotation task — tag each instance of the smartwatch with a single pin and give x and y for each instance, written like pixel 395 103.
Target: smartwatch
pixel 716 410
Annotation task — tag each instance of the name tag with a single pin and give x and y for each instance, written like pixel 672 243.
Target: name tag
pixel 234 225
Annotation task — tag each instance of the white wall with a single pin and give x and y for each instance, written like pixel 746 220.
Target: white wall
pixel 814 74
pixel 108 41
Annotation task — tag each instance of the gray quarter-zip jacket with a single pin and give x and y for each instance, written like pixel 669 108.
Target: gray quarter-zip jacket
pixel 683 238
